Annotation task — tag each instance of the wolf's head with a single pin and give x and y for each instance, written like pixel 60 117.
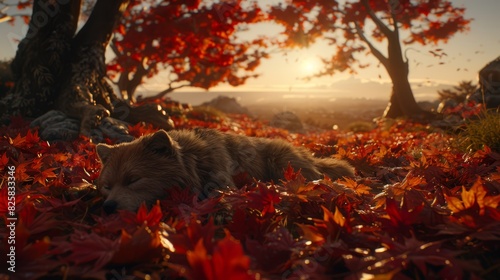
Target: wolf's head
pixel 139 171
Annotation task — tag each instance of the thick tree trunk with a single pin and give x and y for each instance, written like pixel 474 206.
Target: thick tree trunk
pixel 54 69
pixel 41 58
pixel 85 94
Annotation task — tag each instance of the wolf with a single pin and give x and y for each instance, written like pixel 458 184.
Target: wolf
pixel 202 159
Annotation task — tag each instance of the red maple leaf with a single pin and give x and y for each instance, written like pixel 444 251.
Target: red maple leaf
pixel 249 224
pixel 90 247
pixel 402 214
pixel 32 138
pixel 274 254
pixel 290 174
pixel 143 217
pixel 36 222
pixel 226 262
pixel 187 238
pixel 265 199
pixel 3 161
pixel 143 245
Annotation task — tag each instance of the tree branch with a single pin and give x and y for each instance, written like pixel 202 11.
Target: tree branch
pixel 97 30
pixel 386 30
pixel 384 60
pixel 162 94
pixel 396 30
pixel 394 22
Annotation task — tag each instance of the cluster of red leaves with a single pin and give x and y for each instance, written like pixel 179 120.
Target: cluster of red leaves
pixel 348 26
pixel 194 41
pixel 417 209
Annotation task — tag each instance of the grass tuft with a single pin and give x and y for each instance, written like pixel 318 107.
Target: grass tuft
pixel 482 131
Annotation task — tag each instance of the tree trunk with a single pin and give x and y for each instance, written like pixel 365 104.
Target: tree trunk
pixel 402 102
pixel 56 69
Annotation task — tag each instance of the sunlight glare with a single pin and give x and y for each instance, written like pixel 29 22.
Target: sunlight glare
pixel 311 66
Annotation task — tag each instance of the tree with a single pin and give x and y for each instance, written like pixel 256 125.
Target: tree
pixel 195 42
pixel 56 67
pixel 362 26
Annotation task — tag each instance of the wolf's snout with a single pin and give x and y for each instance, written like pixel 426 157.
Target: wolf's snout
pixel 110 206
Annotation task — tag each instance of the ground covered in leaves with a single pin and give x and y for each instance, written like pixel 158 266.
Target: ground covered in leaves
pixel 417 209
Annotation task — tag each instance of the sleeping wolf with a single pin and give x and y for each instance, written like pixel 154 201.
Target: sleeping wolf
pixel 202 159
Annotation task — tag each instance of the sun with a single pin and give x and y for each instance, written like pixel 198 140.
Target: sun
pixel 310 66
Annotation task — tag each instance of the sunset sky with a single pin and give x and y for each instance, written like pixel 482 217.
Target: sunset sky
pixel 466 54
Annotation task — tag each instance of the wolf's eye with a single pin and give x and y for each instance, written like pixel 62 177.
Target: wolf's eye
pixel 131 180
pixel 106 187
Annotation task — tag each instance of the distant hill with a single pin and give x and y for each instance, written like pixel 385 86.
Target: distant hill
pixel 351 88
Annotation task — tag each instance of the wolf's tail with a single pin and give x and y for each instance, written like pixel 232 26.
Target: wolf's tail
pixel 334 168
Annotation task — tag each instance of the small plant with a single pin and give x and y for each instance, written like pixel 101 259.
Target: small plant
pixel 482 131
pixel 361 126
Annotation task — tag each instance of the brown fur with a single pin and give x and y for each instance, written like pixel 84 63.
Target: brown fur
pixel 201 159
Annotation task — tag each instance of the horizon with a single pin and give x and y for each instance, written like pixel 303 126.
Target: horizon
pixel 352 89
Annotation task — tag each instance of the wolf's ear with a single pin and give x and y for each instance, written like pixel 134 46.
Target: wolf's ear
pixel 161 143
pixel 103 152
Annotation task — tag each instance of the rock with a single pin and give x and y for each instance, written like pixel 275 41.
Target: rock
pixel 55 125
pixel 228 105
pixel 489 83
pixel 287 120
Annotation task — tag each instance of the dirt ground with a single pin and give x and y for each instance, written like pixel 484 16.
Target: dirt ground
pixel 342 113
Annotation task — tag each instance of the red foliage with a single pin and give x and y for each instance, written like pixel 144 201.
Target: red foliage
pixel 195 43
pixel 417 209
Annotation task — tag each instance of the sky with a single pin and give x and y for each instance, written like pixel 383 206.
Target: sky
pixel 282 74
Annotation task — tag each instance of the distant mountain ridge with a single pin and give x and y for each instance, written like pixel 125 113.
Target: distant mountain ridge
pixel 351 88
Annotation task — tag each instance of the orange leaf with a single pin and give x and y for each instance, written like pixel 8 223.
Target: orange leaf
pixel 43 176
pixel 360 189
pixel 18 142
pixel 468 198
pixel 336 217
pixel 311 233
pixel 454 204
